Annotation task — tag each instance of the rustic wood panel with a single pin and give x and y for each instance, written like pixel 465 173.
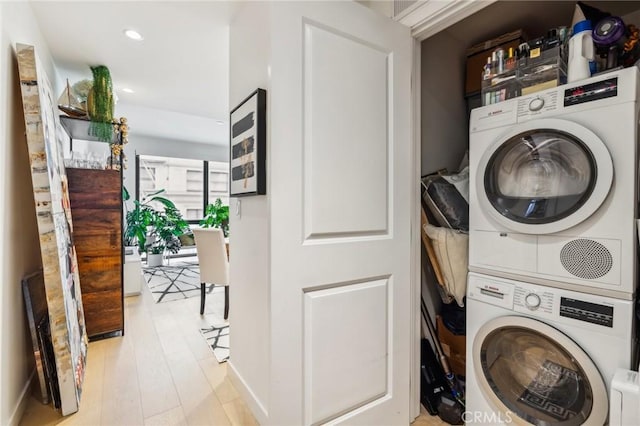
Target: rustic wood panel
pixel 94 181
pixel 93 243
pixel 103 311
pixel 93 220
pixel 84 200
pixel 96 207
pixel 99 273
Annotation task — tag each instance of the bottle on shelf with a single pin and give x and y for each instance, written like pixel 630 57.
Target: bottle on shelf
pixel 581 52
pixel 511 60
pixel 486 71
pixel 499 61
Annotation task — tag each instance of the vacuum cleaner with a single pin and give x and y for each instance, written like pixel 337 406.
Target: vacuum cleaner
pixel 440 393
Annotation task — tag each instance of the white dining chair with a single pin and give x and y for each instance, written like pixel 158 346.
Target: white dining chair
pixel 214 263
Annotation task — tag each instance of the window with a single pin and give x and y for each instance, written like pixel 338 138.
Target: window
pixel 148 179
pixel 194 214
pixel 218 182
pixel 194 180
pixel 183 182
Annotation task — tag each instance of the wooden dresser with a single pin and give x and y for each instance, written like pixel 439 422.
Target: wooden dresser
pixel 96 209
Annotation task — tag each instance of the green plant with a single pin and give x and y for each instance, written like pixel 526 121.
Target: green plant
pixel 166 227
pixel 216 215
pixel 100 104
pixel 151 228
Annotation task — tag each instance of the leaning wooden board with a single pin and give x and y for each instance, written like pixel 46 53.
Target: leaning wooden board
pixel 96 208
pixel 55 227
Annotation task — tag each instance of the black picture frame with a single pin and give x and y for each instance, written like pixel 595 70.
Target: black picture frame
pixel 248 146
pixel 35 300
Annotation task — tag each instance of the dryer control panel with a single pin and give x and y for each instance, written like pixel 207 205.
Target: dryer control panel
pixel 591 92
pixel 538 104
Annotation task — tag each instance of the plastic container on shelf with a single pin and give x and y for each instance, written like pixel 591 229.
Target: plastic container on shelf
pixel 542 64
pixel 547 69
pixel 500 88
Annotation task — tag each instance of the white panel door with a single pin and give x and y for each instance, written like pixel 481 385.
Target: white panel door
pixel 340 185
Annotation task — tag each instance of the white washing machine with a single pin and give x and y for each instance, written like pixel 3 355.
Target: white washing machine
pixel 553 186
pixel 541 355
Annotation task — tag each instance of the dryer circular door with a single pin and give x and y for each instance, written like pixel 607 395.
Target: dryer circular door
pixel 544 176
pixel 534 374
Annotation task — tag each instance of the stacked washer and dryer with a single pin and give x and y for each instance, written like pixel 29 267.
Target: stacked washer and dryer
pixel 552 252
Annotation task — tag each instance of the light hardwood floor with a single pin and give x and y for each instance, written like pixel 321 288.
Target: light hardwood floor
pixel 160 373
pixel 426 419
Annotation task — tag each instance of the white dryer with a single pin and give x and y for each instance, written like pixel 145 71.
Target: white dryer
pixel 541 355
pixel 553 186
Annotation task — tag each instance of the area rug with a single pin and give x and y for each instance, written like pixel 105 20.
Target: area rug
pixel 217 337
pixel 176 281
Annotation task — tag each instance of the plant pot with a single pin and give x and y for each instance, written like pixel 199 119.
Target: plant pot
pixel 154 259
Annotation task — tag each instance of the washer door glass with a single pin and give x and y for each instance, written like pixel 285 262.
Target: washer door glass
pixel 540 176
pixel 535 377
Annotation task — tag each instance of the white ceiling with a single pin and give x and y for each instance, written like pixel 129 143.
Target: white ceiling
pixel 180 68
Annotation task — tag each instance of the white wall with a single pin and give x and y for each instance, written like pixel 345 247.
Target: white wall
pixel 444 126
pixel 632 18
pixel 444 118
pixel 19 247
pixel 173 125
pixel 249 242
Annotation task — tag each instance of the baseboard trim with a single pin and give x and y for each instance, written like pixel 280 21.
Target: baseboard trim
pixel 258 410
pixel 18 412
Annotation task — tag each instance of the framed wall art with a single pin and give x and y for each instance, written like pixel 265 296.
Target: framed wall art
pixel 247 165
pixel 55 229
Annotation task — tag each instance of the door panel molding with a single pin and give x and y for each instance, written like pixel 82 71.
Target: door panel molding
pixel 347 348
pixel 347 117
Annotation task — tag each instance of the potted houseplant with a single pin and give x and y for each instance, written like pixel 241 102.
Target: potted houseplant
pixel 133 223
pixel 166 227
pixel 216 215
pixel 155 251
pixel 141 217
pixel 151 229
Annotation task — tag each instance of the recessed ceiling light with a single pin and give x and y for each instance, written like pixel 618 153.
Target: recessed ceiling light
pixel 127 90
pixel 133 35
pixel 220 122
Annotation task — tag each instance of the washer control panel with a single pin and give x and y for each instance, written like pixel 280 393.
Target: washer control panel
pixel 492 292
pixel 586 311
pixel 533 300
pixel 559 307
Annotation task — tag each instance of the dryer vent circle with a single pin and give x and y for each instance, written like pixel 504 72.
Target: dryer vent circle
pixel 586 259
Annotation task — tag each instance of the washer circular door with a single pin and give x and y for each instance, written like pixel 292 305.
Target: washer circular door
pixel 544 176
pixel 533 374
